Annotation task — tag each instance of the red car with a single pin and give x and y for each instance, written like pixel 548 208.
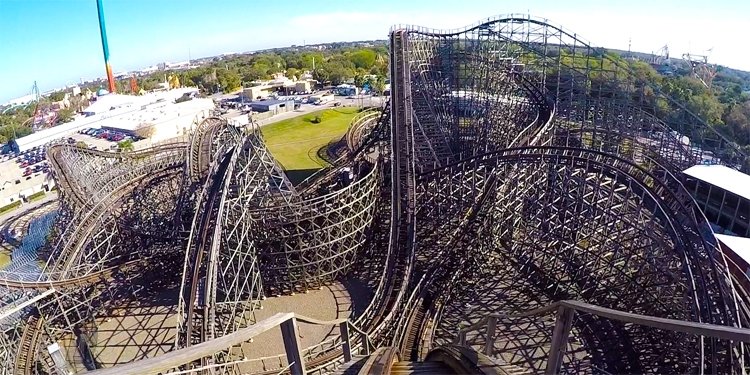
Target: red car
pixel 27 172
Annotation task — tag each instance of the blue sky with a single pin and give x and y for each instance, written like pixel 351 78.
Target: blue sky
pixel 55 42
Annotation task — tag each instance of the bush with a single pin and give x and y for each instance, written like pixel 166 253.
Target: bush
pixel 36 196
pixel 126 145
pixel 5 258
pixel 9 207
pixel 317 119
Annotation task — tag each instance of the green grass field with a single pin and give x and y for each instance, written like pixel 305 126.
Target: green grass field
pixel 295 142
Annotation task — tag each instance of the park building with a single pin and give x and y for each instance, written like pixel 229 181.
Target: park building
pixel 257 92
pixel 163 120
pixel 279 84
pixel 125 112
pixel 723 194
pixel 272 106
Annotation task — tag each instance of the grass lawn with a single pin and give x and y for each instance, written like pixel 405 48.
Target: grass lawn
pixel 295 142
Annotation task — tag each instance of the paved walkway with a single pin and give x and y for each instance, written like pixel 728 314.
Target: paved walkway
pixel 140 332
pixel 134 333
pixel 328 303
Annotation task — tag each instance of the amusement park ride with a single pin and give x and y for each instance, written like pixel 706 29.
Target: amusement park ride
pixel 513 209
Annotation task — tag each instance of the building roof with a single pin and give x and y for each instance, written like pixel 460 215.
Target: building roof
pixel 740 245
pixel 43 136
pixel 128 118
pixel 155 114
pixel 722 177
pixel 112 101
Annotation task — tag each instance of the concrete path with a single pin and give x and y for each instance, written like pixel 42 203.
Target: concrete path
pixel 140 332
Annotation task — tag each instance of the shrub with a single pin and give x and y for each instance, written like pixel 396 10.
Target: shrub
pixel 9 207
pixel 317 120
pixel 36 196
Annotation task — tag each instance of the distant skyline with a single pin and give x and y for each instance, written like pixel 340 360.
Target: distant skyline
pixel 56 42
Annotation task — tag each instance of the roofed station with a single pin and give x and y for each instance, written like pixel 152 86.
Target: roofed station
pixel 517 208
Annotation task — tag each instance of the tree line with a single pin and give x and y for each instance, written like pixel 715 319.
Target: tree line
pixel 330 66
pixel 725 105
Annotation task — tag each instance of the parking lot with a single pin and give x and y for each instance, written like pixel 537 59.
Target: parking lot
pixel 30 169
pixel 99 139
pixel 21 173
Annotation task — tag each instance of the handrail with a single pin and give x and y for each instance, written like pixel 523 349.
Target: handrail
pixel 286 321
pixel 695 328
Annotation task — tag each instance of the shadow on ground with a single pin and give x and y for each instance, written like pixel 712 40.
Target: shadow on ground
pixel 298 175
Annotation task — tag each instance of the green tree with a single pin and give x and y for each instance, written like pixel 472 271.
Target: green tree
pixel 126 145
pixel 707 107
pixel 81 144
pixel 737 121
pixel 293 73
pixel 379 85
pixel 339 74
pixel 3 139
pixel 209 81
pixel 149 84
pixel 65 115
pixel 229 81
pixel 310 59
pixel 359 80
pixel 14 130
pixel 57 96
pixel 364 58
pixel 122 86
pixel 322 74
